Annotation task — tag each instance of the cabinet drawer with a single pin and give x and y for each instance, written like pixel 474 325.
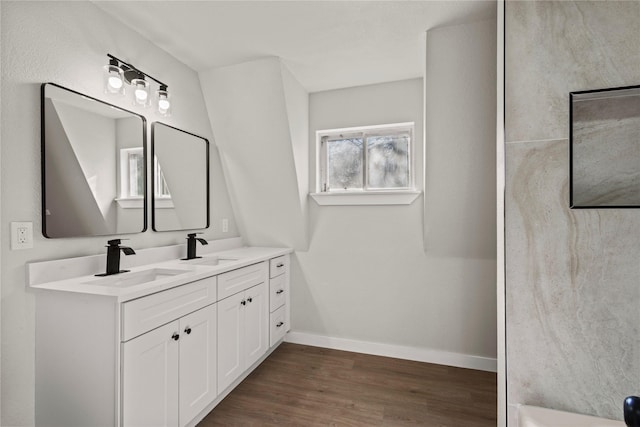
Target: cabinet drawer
pixel 143 314
pixel 278 326
pixel 277 292
pixel 243 278
pixel 278 266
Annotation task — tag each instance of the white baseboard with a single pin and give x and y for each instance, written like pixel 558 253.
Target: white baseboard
pixel 397 351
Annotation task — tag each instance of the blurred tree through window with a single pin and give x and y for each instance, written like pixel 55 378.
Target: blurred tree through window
pixel 374 158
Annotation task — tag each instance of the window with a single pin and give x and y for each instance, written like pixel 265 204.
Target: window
pixel 132 181
pixel 131 173
pixel 162 189
pixel 372 158
pixel 365 165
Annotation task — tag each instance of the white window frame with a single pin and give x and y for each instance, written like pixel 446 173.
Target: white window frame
pixel 162 200
pixel 127 200
pixel 366 195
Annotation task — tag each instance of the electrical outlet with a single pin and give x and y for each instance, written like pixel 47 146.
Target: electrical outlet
pixel 225 225
pixel 21 235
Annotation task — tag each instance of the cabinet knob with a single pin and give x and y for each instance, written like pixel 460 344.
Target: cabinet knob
pixel 187 330
pixel 279 324
pixel 249 299
pixel 280 265
pixel 243 302
pixel 279 291
pixel 175 336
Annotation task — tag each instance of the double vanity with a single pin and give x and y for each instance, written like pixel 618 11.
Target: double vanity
pixel 160 345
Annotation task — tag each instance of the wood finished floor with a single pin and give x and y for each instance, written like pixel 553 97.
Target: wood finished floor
pixel 310 386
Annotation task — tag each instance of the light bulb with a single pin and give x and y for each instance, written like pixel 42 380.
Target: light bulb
pixel 164 104
pixel 141 92
pixel 115 82
pixel 141 95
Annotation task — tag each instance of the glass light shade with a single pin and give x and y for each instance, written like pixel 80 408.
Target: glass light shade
pixel 140 92
pixel 113 80
pixel 164 102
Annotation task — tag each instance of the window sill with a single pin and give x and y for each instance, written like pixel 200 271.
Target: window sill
pixel 131 202
pixel 163 203
pixel 370 198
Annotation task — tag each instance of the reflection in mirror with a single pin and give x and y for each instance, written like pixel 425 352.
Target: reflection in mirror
pixel 180 179
pixel 88 187
pixel 605 148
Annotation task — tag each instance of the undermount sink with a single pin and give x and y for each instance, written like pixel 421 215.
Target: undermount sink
pixel 137 278
pixel 209 260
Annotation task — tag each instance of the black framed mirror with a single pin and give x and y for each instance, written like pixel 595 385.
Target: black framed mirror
pixel 605 148
pixel 180 179
pixel 93 166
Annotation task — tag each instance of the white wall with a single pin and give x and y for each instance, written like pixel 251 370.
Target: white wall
pixel 366 276
pixel 460 196
pixel 255 111
pixel 67 43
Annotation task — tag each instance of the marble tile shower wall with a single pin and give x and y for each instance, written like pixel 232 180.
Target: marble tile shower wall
pixel 572 276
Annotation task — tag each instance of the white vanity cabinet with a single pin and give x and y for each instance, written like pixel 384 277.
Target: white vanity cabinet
pixel 150 378
pixel 279 299
pixel 169 373
pixel 160 354
pixel 169 362
pixel 243 334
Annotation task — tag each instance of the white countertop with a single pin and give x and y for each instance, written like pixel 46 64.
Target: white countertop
pixel 87 284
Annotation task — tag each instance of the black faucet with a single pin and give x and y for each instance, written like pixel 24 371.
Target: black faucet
pixel 113 257
pixel 191 245
pixel 632 411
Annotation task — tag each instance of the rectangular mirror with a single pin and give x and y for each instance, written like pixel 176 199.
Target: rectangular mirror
pixel 180 179
pixel 93 166
pixel 605 148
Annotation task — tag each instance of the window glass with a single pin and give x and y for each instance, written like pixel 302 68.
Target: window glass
pixel 344 162
pixel 162 189
pixel 388 161
pixel 370 158
pixel 135 160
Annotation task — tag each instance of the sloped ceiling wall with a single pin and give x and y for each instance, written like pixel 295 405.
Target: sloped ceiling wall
pixel 259 117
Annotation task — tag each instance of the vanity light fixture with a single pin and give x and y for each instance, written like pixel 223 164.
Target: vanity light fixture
pixel 163 100
pixel 140 92
pixel 118 72
pixel 113 78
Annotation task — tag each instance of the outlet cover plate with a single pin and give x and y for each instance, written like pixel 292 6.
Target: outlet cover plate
pixel 21 235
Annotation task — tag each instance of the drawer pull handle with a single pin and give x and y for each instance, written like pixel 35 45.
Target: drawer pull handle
pixel 280 265
pixel 279 291
pixel 243 302
pixel 279 324
pixel 249 299
pixel 175 336
pixel 187 330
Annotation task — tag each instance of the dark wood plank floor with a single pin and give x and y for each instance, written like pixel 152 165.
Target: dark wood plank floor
pixel 310 386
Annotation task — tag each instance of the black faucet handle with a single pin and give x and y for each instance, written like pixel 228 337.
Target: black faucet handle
pixel 192 237
pixel 632 411
pixel 115 242
pixel 127 250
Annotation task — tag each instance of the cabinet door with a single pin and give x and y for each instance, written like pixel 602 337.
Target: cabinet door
pixel 256 328
pixel 230 343
pixel 197 362
pixel 150 378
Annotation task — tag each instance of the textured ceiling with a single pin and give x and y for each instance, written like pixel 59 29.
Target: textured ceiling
pixel 325 44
